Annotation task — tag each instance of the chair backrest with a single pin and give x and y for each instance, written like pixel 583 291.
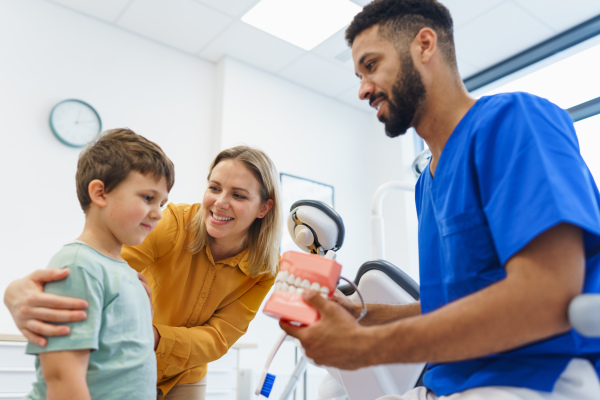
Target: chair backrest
pixel 381 281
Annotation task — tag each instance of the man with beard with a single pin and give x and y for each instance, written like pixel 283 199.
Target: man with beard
pixel 509 228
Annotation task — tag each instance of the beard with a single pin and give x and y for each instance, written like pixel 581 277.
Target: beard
pixel 408 94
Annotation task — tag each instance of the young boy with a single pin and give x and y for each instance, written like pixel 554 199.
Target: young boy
pixel 123 181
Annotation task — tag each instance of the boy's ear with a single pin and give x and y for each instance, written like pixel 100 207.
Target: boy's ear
pixel 97 193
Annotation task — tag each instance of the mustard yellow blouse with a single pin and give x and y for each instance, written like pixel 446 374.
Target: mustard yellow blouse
pixel 201 308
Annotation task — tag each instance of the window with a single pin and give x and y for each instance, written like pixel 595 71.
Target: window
pixel 588 133
pixel 568 79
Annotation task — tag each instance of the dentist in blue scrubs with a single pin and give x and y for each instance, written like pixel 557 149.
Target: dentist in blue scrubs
pixel 509 229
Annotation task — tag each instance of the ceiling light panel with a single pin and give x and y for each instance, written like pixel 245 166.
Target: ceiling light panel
pixel 304 23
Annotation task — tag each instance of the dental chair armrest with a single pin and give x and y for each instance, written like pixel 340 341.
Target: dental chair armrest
pixel 400 277
pixel 346 289
pixel 584 314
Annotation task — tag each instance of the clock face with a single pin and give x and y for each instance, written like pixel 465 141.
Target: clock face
pixel 75 123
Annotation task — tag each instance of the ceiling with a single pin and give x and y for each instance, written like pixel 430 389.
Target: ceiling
pixel 486 32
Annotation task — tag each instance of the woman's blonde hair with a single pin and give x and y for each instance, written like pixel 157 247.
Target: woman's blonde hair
pixel 263 237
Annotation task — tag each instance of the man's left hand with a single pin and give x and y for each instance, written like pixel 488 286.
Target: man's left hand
pixel 336 339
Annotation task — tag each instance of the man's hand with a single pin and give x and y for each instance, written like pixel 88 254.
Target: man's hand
pixel 32 309
pixel 350 306
pixel 142 279
pixel 333 339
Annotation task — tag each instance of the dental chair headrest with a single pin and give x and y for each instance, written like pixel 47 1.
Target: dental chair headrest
pixel 314 225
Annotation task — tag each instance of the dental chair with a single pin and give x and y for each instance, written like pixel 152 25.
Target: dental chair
pixel 380 281
pixel 317 229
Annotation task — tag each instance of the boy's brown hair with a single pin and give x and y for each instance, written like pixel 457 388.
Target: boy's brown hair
pixel 113 156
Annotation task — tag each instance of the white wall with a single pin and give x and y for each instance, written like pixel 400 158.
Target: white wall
pixel 192 109
pixel 307 135
pixel 392 160
pixel 50 54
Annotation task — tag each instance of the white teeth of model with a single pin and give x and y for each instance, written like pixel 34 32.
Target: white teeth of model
pixel 298 282
pixel 315 286
pixel 277 285
pixel 283 275
pixel 291 279
pixel 284 286
pixel 292 289
pixel 324 291
pixel 299 291
pixel 305 284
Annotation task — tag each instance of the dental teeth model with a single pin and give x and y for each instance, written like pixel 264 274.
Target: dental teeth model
pixel 299 272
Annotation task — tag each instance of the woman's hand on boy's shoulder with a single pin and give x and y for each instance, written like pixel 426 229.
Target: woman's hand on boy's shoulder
pixel 32 309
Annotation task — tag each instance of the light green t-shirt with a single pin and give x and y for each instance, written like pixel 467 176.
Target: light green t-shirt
pixel 118 327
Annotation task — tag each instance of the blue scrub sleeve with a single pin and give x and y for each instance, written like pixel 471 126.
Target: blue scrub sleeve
pixel 531 173
pixel 84 334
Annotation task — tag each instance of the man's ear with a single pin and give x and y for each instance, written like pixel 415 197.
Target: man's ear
pixel 97 193
pixel 264 209
pixel 426 39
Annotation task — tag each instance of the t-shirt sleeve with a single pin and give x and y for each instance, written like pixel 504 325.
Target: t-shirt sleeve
pixel 531 174
pixel 84 334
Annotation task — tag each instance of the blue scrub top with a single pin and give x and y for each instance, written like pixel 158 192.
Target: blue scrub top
pixel 510 170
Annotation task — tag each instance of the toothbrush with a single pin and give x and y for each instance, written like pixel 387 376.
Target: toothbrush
pixel 266 381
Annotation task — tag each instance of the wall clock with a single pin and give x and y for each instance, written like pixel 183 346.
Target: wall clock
pixel 75 122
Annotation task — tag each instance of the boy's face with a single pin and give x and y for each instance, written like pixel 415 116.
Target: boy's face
pixel 133 208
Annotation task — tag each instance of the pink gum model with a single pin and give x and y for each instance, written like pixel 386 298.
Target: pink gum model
pixel 300 271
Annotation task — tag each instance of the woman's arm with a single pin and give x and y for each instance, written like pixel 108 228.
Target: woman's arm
pixel 32 309
pixel 65 374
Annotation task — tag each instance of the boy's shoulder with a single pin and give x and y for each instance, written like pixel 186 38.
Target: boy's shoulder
pixel 78 255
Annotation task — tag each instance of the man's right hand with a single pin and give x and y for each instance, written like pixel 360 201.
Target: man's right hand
pixel 32 309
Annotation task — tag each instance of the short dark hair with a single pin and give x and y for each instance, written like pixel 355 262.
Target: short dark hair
pixel 401 20
pixel 113 156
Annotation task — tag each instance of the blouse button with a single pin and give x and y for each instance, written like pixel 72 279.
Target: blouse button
pixel 203 295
